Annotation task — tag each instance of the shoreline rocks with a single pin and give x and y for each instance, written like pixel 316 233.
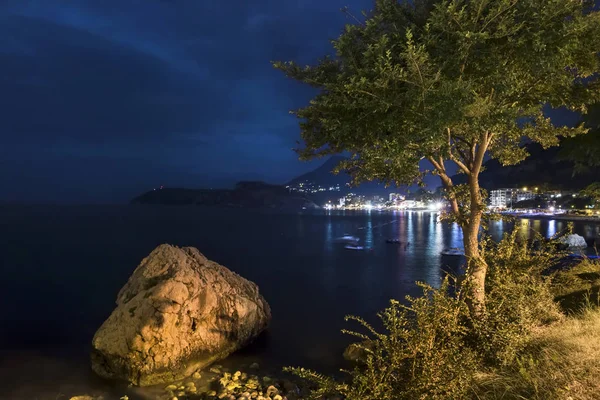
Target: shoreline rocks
pixel 179 312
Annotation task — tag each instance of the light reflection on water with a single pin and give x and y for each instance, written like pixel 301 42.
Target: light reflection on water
pixel 63 267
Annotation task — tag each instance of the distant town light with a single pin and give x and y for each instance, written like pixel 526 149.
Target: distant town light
pixel 551 209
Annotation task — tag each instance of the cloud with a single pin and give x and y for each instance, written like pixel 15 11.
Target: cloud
pixel 184 84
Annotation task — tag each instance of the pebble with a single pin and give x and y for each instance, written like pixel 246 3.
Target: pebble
pixel 254 366
pixel 277 397
pixel 254 394
pixel 215 370
pixel 190 383
pixel 173 398
pixel 212 393
pixel 272 390
pixel 171 388
pixel 196 375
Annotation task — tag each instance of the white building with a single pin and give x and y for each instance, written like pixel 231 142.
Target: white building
pixel 503 198
pixel 500 198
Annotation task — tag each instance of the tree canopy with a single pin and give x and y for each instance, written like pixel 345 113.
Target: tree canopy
pixel 447 81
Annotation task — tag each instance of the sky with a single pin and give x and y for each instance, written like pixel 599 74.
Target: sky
pixel 105 99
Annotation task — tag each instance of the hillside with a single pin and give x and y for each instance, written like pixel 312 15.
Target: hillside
pixel 245 194
pixel 541 168
pixel 323 177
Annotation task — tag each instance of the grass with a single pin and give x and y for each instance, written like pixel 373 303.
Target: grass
pixel 562 360
pixel 575 287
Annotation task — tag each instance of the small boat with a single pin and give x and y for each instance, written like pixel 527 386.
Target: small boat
pixel 394 241
pixel 353 247
pixel 348 238
pixel 453 251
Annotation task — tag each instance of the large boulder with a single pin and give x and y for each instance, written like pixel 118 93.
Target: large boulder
pixel 573 241
pixel 177 313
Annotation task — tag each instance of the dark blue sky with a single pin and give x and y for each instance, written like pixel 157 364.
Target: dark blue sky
pixel 104 99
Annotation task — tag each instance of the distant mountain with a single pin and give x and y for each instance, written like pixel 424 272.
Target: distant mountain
pixel 323 177
pixel 245 194
pixel 541 168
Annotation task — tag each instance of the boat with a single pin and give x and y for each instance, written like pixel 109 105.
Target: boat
pixel 394 241
pixel 453 251
pixel 348 238
pixel 353 247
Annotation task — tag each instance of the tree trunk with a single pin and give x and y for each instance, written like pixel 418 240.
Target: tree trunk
pixel 476 265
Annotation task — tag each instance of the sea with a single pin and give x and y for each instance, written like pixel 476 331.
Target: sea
pixel 61 268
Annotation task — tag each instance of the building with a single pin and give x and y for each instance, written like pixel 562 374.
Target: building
pixel 500 198
pixel 396 197
pixel 521 195
pixel 503 198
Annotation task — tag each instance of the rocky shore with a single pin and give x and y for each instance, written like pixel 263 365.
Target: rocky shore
pixel 220 383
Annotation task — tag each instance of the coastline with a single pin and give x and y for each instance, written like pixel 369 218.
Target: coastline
pixel 562 217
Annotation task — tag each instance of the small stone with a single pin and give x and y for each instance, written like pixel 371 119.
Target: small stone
pixel 212 393
pixel 244 375
pixel 170 388
pixel 266 379
pixel 84 397
pixel 172 398
pixel 271 391
pixel 182 393
pixel 215 370
pixel 192 389
pixel 254 394
pixel 196 375
pixel 254 366
pixel 231 386
pixel 190 383
pixel 277 397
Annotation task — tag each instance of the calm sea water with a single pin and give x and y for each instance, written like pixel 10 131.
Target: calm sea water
pixel 61 269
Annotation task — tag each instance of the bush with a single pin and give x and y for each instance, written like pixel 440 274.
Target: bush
pixel 518 298
pixel 430 348
pixel 577 285
pixel 421 355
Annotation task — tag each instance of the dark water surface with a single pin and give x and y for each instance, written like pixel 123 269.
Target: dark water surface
pixel 61 269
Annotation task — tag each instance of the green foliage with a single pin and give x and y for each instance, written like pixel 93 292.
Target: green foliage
pixel 585 150
pixel 448 80
pixel 421 355
pixel 518 297
pixel 577 285
pixel 431 348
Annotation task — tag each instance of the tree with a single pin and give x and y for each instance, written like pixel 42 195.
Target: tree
pixel 449 81
pixel 584 150
pixel 592 192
